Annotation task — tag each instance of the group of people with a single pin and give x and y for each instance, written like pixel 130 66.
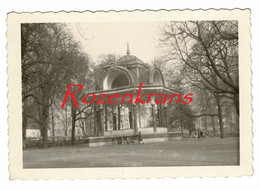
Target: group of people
pixel 200 135
pixel 140 139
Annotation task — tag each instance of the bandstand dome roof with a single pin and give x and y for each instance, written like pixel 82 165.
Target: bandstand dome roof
pixel 129 71
pixel 128 59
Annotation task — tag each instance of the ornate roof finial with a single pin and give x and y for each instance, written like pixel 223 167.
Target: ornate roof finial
pixel 128 51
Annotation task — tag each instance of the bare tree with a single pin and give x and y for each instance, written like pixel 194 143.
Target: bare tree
pixel 207 53
pixel 49 58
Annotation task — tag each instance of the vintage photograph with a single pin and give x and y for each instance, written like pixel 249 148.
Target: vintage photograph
pixel 171 59
pixel 132 94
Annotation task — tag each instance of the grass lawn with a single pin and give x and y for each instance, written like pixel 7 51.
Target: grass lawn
pixel 185 152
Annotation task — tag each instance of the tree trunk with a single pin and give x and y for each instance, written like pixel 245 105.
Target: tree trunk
pixel 66 122
pixel 181 121
pixel 213 126
pixel 83 127
pixel 24 124
pixel 236 122
pixel 53 124
pixel 181 126
pixel 220 117
pixel 236 102
pixel 190 131
pixel 45 125
pixel 205 122
pixel 114 121
pixel 73 123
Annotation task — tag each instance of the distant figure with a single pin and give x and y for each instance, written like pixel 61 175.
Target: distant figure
pixel 114 141
pixel 127 140
pixel 200 135
pixel 140 138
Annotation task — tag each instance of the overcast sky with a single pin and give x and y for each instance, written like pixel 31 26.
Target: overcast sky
pixel 111 38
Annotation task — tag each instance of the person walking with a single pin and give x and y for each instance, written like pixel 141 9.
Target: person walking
pixel 140 138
